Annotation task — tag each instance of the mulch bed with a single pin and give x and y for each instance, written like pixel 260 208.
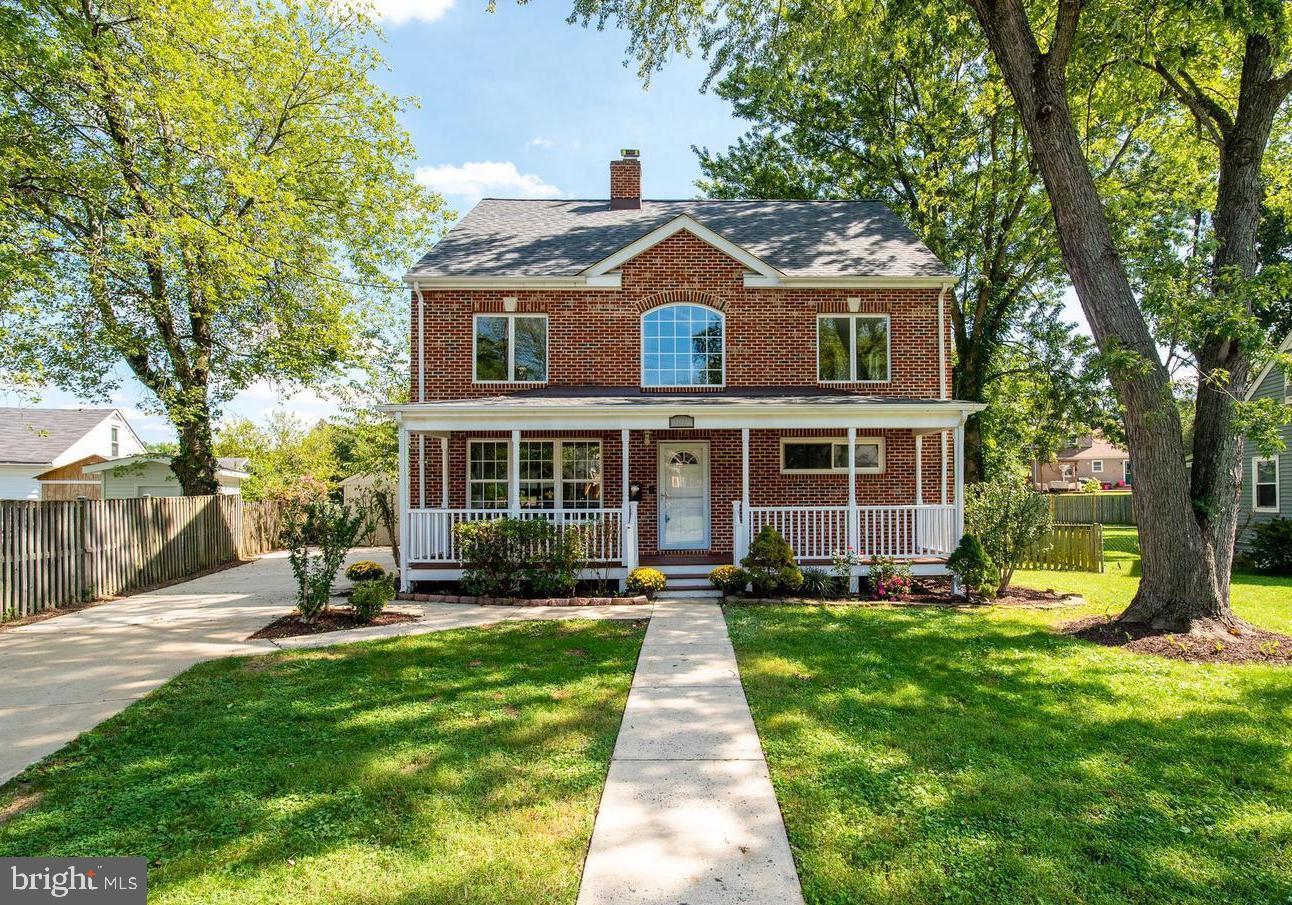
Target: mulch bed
pixel 522 601
pixel 291 625
pixel 1252 645
pixel 934 592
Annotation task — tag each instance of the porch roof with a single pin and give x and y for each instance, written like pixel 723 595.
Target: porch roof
pixel 632 408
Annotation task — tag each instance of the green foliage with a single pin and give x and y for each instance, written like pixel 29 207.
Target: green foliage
pixel 1270 547
pixel 205 194
pixel 970 563
pixel 1091 485
pixel 364 570
pixel 729 579
pixel 369 597
pixel 818 583
pixel 281 450
pixel 890 579
pixel 1007 516
pixel 645 580
pixel 511 557
pixel 770 564
pixel 318 534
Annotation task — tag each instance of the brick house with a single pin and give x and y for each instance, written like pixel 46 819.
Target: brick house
pixel 677 374
pixel 1086 458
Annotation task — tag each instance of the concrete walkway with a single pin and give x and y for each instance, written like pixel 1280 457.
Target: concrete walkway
pixel 688 815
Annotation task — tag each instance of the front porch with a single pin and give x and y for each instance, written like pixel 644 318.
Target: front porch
pixel 686 481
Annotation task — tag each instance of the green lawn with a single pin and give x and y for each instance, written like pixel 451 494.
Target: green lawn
pixel 1263 600
pixel 457 767
pixel 977 756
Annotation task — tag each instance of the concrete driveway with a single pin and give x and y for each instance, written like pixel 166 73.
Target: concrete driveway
pixel 67 674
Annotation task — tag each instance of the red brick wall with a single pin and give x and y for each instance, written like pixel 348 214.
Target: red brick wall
pixel 768 486
pixel 594 336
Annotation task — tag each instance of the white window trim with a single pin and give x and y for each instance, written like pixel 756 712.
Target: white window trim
pixel 641 333
pixel 511 346
pixel 852 347
pixel 558 474
pixel 1096 466
pixel 831 441
pixel 1126 469
pixel 1256 462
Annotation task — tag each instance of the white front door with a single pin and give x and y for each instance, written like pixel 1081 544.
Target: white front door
pixel 683 496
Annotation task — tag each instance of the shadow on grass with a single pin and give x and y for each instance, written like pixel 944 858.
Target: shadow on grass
pixel 466 765
pixel 941 756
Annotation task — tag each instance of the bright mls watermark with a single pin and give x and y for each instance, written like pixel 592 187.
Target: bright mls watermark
pixel 74 881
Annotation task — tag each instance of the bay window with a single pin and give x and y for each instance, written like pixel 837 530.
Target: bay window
pixel 853 348
pixel 554 474
pixel 510 348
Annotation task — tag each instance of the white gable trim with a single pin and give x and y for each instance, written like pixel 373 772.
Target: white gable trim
pixel 1285 346
pixel 700 231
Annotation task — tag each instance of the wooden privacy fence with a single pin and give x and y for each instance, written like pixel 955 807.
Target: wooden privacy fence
pixel 1092 508
pixel 56 553
pixel 1068 548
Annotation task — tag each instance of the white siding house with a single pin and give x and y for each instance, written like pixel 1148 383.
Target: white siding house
pixel 1267 480
pixel 34 440
pixel 151 475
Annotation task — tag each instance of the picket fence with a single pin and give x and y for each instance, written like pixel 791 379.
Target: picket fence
pixel 1068 548
pixel 1091 508
pixel 57 553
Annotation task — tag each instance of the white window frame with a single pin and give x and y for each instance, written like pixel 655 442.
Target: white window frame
pixel 114 441
pixel 558 473
pixel 1257 461
pixel 1096 466
pixel 641 358
pixel 832 442
pixel 852 346
pixel 511 346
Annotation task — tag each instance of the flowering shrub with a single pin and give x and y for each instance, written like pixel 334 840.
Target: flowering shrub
pixel 729 579
pixel 889 579
pixel 646 581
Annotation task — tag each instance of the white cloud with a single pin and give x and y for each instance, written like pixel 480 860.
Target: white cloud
pixel 476 179
pixel 539 141
pixel 399 12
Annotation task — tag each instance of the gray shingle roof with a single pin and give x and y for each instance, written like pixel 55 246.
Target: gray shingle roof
pixel 39 436
pixel 524 238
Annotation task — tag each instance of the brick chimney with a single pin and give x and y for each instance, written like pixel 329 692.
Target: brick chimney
pixel 626 181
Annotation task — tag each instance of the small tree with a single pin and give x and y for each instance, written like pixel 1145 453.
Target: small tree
pixel 1008 517
pixel 318 534
pixel 770 564
pixel 973 567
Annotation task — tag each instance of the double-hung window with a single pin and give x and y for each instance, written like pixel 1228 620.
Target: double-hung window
pixel 852 348
pixel 1097 466
pixel 510 348
pixel 554 474
pixel 1265 485
pixel 819 456
pixel 116 442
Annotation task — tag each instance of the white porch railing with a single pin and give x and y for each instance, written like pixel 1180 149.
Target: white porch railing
pixel 611 533
pixel 818 532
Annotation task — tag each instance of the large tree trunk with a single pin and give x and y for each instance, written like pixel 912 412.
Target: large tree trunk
pixel 194 465
pixel 1185 578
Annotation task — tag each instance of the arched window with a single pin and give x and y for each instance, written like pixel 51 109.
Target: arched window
pixel 682 346
pixel 684 458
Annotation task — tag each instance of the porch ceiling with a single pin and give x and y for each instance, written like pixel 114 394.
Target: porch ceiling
pixel 629 408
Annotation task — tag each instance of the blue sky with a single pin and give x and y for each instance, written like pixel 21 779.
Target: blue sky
pixel 515 103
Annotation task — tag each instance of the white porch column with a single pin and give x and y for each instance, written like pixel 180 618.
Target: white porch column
pixel 403 506
pixel 421 471
pixel 624 439
pixel 740 520
pixel 444 472
pixel 942 493
pixel 513 475
pixel 919 469
pixel 628 516
pixel 960 480
pixel 854 523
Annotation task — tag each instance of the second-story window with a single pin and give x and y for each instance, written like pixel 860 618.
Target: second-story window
pixel 115 443
pixel 852 348
pixel 682 346
pixel 510 348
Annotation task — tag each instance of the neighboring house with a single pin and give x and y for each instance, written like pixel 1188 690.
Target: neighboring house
pixel 1088 457
pixel 150 475
pixel 356 491
pixel 35 443
pixel 677 374
pixel 1267 480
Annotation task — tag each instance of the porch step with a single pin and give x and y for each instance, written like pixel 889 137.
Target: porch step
pixel 691 570
pixel 672 593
